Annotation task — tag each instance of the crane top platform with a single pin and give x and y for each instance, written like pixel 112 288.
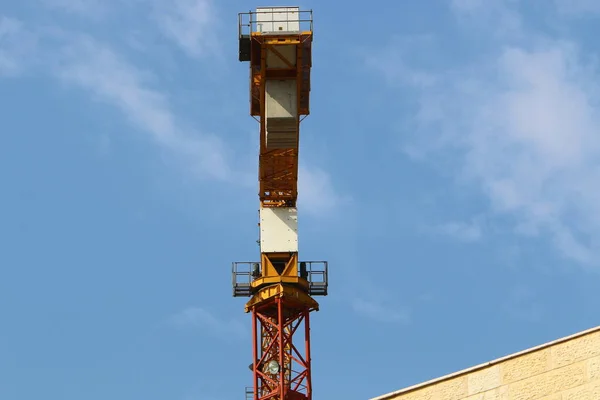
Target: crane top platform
pixel 275 21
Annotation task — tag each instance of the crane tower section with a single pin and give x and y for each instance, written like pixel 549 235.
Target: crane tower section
pixel 277 43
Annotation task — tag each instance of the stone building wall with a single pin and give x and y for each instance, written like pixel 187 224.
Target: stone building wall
pixel 566 369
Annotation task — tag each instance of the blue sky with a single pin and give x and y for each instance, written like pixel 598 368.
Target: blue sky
pixel 449 175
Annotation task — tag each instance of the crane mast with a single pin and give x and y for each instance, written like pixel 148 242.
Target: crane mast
pixel 277 43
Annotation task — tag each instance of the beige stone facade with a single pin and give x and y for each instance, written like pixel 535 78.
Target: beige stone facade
pixel 566 369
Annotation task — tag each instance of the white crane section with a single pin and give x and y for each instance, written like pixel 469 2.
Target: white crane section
pixel 278 230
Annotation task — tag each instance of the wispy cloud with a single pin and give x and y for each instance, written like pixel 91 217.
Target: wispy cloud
pixel 190 24
pixel 317 195
pixel 577 7
pixel 202 319
pixel 396 69
pixel 380 311
pixel 496 17
pixel 522 124
pixel 94 9
pixel 109 77
pixel 8 29
pixel 113 77
pixel 522 303
pixel 16 44
pixel 102 144
pixel 470 231
pixel 372 301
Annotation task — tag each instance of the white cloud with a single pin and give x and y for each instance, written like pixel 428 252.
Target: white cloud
pixel 481 6
pixel 577 7
pixel 462 231
pixel 15 44
pixel 396 69
pixel 379 311
pixel 102 144
pixel 97 68
pixel 110 77
pixel 316 193
pixel 523 125
pixel 498 17
pixel 522 303
pixel 93 9
pixel 371 300
pixel 467 5
pixel 8 29
pixel 201 318
pixel 191 24
pixel 531 141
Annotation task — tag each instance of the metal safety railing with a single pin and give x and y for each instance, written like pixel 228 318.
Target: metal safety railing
pixel 245 272
pixel 275 21
pixel 316 273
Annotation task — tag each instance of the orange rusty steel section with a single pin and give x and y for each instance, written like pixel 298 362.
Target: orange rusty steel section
pixel 278 168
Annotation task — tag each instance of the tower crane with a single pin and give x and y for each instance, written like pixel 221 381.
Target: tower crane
pixel 277 43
